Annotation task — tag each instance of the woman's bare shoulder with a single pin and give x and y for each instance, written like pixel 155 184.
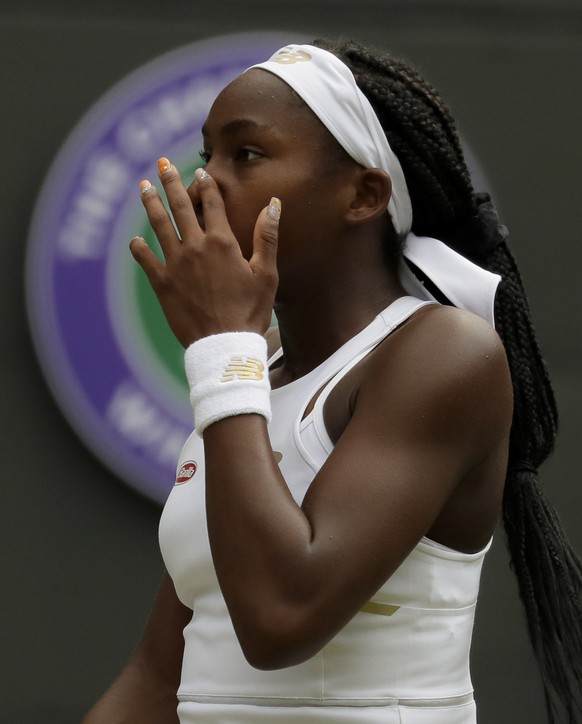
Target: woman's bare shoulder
pixel 440 367
pixel 447 337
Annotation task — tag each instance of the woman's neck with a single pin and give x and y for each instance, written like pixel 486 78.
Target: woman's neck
pixel 317 322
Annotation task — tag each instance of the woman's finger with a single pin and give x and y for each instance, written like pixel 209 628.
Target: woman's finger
pixel 178 200
pixel 265 241
pixel 159 218
pixel 148 261
pixel 215 220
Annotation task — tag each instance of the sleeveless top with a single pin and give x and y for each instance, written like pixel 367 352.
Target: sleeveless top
pixel 404 655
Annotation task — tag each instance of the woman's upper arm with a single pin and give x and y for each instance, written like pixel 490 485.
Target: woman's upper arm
pixel 435 404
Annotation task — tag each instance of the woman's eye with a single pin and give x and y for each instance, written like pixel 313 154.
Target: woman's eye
pixel 247 154
pixel 205 156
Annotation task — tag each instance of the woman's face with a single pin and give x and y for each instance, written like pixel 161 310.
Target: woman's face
pixel 261 140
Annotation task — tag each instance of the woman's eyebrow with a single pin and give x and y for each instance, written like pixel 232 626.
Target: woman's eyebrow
pixel 238 124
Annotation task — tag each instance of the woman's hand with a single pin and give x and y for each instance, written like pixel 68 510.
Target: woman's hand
pixel 206 286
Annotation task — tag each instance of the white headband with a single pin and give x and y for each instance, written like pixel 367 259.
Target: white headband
pixel 329 88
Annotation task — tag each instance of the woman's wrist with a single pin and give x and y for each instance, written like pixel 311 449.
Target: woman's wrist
pixel 227 374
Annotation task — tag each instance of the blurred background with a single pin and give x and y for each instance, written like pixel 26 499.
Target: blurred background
pixel 80 560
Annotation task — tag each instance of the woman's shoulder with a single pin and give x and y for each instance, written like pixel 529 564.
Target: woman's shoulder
pixel 443 363
pixel 434 370
pixel 443 335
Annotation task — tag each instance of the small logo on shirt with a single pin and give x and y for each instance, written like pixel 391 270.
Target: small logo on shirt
pixel 243 368
pixel 187 472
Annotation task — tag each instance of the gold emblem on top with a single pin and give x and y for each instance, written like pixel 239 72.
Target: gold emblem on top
pixel 286 56
pixel 243 368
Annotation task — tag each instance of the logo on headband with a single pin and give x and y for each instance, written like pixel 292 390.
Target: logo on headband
pixel 288 56
pixel 113 366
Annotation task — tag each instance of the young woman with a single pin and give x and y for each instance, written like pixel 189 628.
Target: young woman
pixel 325 535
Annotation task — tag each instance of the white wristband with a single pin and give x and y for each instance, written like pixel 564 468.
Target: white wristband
pixel 228 375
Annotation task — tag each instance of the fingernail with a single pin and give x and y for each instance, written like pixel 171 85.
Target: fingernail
pixel 145 186
pixel 201 174
pixel 164 165
pixel 274 210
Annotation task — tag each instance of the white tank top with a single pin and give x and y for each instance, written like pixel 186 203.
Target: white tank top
pixel 406 651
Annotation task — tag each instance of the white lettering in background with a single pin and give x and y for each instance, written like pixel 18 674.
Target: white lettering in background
pixel 143 135
pixel 104 182
pixel 145 132
pixel 133 415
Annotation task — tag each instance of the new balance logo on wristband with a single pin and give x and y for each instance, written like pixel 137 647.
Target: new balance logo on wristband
pixel 243 368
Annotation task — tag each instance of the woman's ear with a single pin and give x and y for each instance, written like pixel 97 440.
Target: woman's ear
pixel 372 191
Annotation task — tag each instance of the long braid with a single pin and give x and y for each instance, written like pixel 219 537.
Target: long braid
pixel 423 135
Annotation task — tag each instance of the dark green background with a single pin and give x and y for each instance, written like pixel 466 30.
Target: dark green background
pixel 79 556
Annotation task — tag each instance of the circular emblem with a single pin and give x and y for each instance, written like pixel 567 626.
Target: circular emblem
pixel 111 362
pixel 186 472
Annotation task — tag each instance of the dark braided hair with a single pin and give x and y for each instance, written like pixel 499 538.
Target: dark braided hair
pixel 422 133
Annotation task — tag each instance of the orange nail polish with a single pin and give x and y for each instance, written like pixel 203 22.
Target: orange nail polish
pixel 164 165
pixel 145 186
